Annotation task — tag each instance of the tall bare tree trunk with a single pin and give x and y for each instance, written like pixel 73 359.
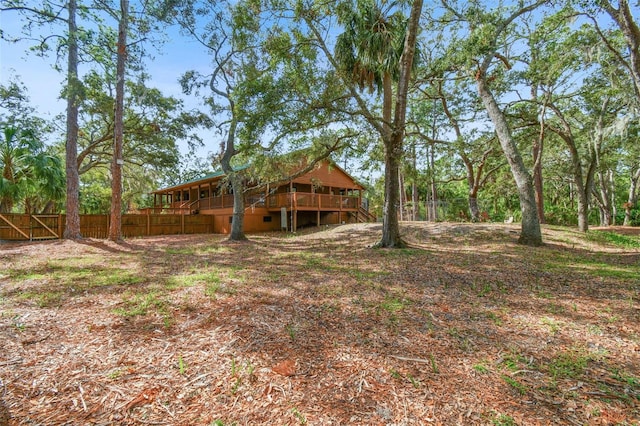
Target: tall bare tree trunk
pixel 403 196
pixel 390 224
pixel 394 144
pixel 530 233
pixel 581 189
pixel 433 209
pixel 538 147
pixel 72 221
pixel 115 229
pixel 414 187
pixel 604 197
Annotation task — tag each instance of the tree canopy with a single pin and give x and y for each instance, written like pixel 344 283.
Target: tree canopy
pixel 527 111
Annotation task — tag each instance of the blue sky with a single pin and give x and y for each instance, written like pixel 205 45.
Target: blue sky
pixel 179 54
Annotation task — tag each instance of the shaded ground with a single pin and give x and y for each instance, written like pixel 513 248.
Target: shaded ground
pixel 465 327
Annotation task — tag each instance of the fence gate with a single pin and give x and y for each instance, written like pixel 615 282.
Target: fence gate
pixel 13 231
pixel 19 227
pixel 44 227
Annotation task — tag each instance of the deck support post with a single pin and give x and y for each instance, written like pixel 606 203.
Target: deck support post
pixel 294 224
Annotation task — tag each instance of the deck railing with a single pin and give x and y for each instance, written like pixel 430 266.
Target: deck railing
pixel 289 200
pixel 297 200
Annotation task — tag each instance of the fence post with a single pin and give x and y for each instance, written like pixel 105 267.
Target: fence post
pixel 182 222
pixel 60 225
pixel 148 223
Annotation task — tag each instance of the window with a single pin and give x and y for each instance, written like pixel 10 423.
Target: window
pixel 267 219
pixel 230 219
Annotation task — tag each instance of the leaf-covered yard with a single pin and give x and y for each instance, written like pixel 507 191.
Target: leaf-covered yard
pixel 465 327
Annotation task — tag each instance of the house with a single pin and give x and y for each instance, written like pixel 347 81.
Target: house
pixel 325 195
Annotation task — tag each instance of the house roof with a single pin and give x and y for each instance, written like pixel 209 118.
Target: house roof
pixel 204 179
pixel 217 175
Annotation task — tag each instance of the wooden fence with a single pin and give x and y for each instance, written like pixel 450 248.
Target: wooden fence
pixel 23 227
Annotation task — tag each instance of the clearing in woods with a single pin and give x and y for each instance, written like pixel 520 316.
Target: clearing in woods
pixel 464 327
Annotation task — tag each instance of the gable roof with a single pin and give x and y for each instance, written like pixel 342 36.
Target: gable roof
pixel 218 175
pixel 210 177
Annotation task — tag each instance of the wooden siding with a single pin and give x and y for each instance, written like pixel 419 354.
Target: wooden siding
pixel 328 175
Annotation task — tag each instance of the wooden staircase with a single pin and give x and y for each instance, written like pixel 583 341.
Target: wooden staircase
pixel 363 216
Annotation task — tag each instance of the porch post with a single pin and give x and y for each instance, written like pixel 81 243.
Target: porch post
pixel 295 209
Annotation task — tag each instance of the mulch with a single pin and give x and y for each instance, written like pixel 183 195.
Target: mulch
pixel 463 327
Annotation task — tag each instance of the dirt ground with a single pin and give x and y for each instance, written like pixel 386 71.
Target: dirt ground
pixel 464 327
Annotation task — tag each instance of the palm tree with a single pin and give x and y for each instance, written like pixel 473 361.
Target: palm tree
pixel 369 53
pixel 30 176
pixel 369 49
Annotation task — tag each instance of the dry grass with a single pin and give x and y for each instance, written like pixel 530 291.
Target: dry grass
pixel 464 327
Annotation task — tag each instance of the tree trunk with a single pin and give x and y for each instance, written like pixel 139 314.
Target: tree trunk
pixel 473 208
pixel 582 197
pixel 472 190
pixel 530 233
pixel 115 228
pixel 72 221
pixel 632 198
pixel 394 144
pixel 415 202
pixel 537 150
pixel 403 196
pixel 605 198
pixel 390 224
pixel 538 146
pixel 434 189
pixel 414 187
pixel 237 223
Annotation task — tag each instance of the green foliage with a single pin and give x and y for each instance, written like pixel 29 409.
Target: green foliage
pixel 141 304
pixel 372 42
pixel 614 239
pixel 31 177
pixel 298 415
pixel 569 364
pixel 153 123
pixel 515 385
pixel 503 420
pixel 481 368
pixel 182 366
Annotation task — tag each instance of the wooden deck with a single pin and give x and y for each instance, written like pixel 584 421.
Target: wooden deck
pixel 301 201
pixel 305 201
